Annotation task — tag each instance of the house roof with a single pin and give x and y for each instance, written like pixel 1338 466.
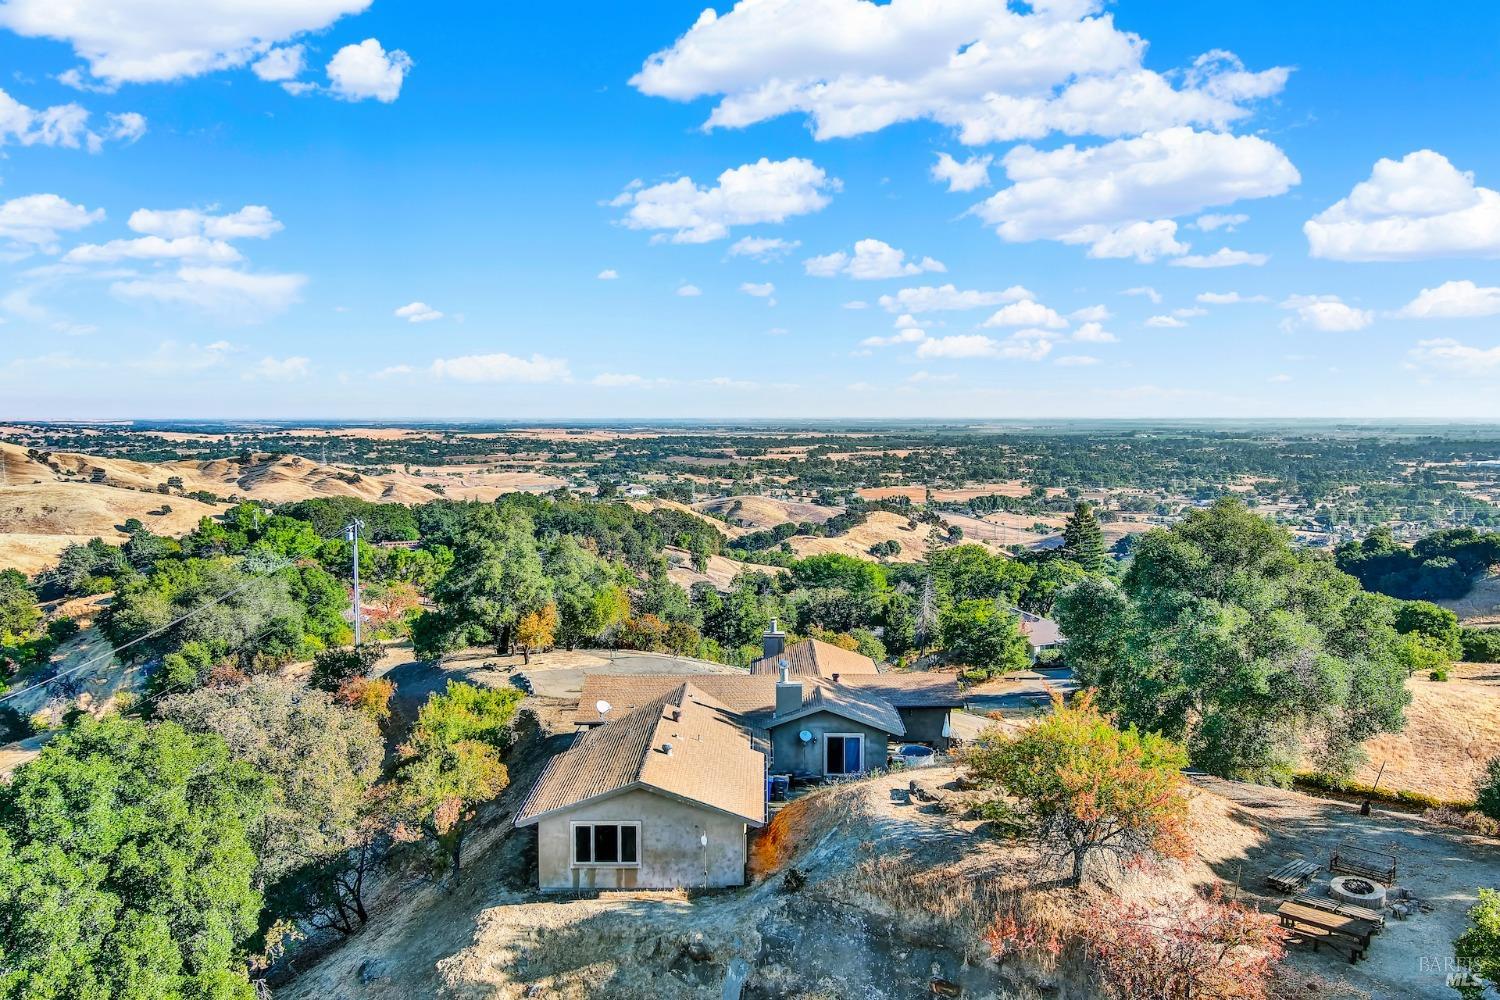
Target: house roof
pixel 815 658
pixel 1040 631
pixel 754 696
pixel 739 693
pixel 713 759
pixel 915 690
pixel 844 701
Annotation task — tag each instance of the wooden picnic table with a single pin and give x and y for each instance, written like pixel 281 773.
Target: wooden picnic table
pixel 1294 914
pixel 1343 909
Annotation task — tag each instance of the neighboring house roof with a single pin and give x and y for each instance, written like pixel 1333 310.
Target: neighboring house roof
pixel 713 760
pixel 754 696
pixel 917 690
pixel 1040 632
pixel 815 658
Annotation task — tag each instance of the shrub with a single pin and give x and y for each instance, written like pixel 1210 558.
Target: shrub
pixel 1478 948
pixel 332 667
pixel 1440 674
pixel 1189 949
pixel 1487 801
pixel 1481 645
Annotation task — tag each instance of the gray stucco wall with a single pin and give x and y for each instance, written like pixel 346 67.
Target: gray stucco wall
pixel 671 855
pixel 925 725
pixel 789 755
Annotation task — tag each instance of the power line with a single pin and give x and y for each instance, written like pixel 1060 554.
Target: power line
pixel 114 652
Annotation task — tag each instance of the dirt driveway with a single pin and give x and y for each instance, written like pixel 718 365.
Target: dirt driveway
pixel 552 680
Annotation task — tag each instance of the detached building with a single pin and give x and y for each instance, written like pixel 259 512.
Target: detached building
pixel 669 771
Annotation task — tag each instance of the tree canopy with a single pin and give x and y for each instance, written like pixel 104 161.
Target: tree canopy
pixel 1223 635
pixel 126 868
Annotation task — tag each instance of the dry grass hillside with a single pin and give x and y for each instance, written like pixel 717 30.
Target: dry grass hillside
pixel 1480 606
pixel 720 572
pixel 1452 729
pixel 882 526
pixel 757 513
pixel 37 521
pixel 47 503
pixel 648 504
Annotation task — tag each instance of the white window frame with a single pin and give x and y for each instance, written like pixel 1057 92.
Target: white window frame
pixel 847 736
pixel 573 842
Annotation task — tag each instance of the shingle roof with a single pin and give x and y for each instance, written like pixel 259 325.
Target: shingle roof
pixel 918 690
pixel 1040 631
pixel 815 658
pixel 713 760
pixel 848 702
pixel 740 693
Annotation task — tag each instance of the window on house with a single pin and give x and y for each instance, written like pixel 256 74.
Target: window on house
pixel 606 843
pixel 844 752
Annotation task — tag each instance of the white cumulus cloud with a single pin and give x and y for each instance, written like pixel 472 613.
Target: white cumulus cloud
pixel 197 248
pixel 1027 312
pixel 608 274
pixel 1144 291
pixel 1418 207
pixel 501 367
pixel 1103 195
pixel 240 295
pixel 871 260
pixel 1165 322
pixel 366 70
pixel 139 41
pixel 281 64
pixel 1328 313
pixel 64 125
pixel 1453 300
pixel 418 312
pixel 1450 354
pixel 1222 257
pixel 975 345
pixel 250 222
pixel 1227 298
pixel 966 175
pixel 762 248
pixel 991 71
pixel 34 221
pixel 948 298
pixel 689 291
pixel 759 290
pixel 752 194
pixel 1208 223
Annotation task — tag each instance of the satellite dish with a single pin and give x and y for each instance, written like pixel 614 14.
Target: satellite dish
pixel 602 707
pixel 805 736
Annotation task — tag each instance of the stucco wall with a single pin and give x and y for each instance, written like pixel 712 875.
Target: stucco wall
pixel 791 755
pixel 671 855
pixel 925 725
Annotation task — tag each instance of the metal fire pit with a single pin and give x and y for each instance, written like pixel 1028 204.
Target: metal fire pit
pixel 1359 891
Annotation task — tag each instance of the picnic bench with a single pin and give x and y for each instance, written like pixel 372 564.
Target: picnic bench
pixel 1342 909
pixel 1292 876
pixel 1350 935
pixel 1350 859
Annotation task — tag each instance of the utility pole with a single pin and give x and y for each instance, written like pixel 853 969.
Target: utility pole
pixel 351 532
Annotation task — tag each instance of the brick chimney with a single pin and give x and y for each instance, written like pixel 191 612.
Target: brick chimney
pixel 788 693
pixel 773 643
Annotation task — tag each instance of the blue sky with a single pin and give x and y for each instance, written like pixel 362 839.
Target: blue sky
pixel 355 209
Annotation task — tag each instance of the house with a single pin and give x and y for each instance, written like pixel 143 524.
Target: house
pixel 661 797
pixel 1041 633
pixel 810 657
pixel 669 771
